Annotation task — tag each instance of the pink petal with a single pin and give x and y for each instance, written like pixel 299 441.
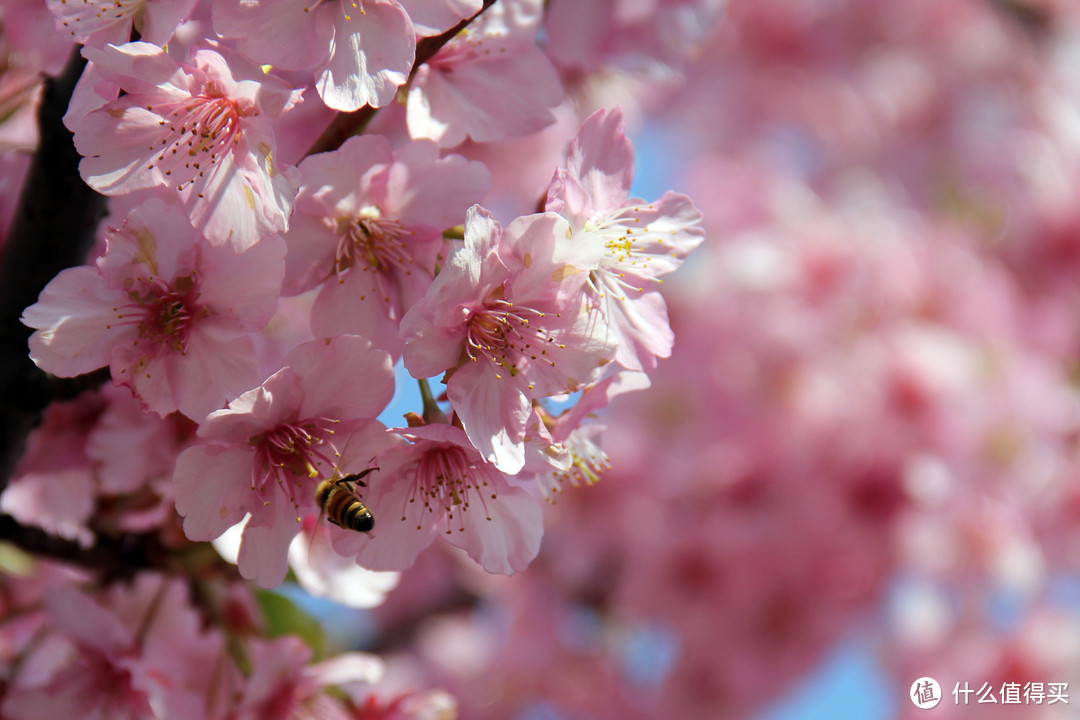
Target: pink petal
pixel 162 17
pixel 351 306
pixel 542 277
pixel 503 534
pixel 492 97
pixel 641 328
pixel 602 159
pixel 568 197
pixel 346 180
pixel 667 230
pixel 259 409
pixel 31 499
pixel 395 542
pixel 281 33
pixel 154 236
pixel 243 286
pixel 424 189
pixel 429 350
pixel 212 485
pixel 311 250
pixel 370 58
pixel 217 366
pixel 145 68
pixel 494 412
pixel 239 207
pixel 114 143
pixel 344 379
pixel 76 323
pixel 325 573
pixel 264 551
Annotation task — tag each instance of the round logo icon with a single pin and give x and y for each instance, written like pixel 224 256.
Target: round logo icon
pixel 925 693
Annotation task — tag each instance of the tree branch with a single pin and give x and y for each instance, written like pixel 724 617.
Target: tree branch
pixel 53 229
pixel 115 558
pixel 346 124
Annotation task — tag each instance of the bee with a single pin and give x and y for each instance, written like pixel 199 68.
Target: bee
pixel 341 503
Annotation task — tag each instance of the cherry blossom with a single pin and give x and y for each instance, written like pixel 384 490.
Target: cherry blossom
pixel 369 228
pixel 629 33
pixel 506 317
pixel 203 129
pixel 641 241
pixel 135 652
pixel 99 22
pixel 439 486
pixel 324 572
pixel 566 449
pixel 57 464
pixel 284 685
pixel 362 51
pixel 167 312
pixel 318 568
pixel 491 82
pixel 265 453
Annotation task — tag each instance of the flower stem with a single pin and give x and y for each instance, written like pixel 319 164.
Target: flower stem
pixel 432 412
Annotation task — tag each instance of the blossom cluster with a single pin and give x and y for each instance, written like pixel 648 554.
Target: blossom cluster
pixel 249 299
pixel 220 229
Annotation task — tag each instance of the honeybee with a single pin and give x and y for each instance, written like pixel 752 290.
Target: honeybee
pixel 341 503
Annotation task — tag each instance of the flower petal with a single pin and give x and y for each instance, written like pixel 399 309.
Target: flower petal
pixel 370 58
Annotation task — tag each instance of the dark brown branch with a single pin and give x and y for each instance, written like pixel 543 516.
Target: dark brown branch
pixel 120 557
pixel 53 229
pixel 115 558
pixel 1036 21
pixel 346 124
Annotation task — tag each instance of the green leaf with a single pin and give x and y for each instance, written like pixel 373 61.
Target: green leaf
pixel 284 617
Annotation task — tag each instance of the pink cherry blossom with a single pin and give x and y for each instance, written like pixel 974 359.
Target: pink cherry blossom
pixel 319 569
pixel 130 447
pixel 30 29
pixel 203 129
pixel 167 312
pixel 632 34
pixel 134 652
pixel 22 607
pixel 564 448
pixel 640 241
pixel 439 486
pixel 362 51
pixel 506 317
pixel 98 22
pixel 266 452
pixel 283 685
pixel 56 464
pixel 415 705
pixel 324 572
pixel 489 83
pixel 369 227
